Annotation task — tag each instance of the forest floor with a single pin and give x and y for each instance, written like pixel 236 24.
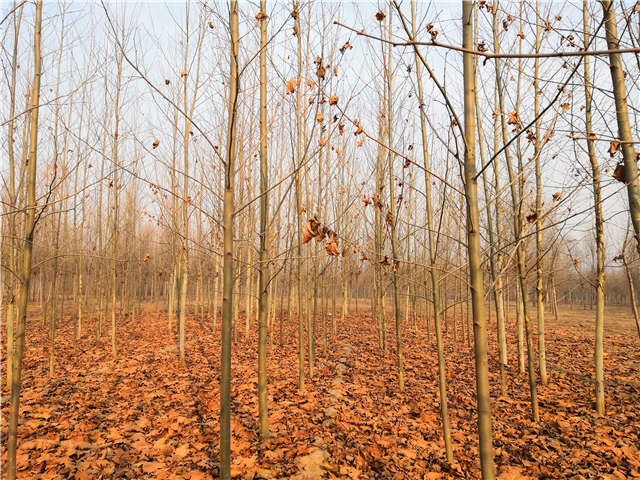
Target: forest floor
pixel 143 416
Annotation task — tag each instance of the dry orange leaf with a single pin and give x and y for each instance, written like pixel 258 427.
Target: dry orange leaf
pixel 291 85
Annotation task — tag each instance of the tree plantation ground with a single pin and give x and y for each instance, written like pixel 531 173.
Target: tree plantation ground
pixel 142 416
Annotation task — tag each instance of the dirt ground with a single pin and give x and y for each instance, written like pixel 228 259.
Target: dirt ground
pixel 144 417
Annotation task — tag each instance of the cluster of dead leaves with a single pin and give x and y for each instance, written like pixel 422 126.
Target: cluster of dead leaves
pixel 314 229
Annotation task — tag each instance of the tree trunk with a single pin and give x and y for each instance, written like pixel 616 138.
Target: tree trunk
pixel 395 263
pixel 622 116
pixel 25 267
pixel 599 284
pixel 474 250
pixel 263 265
pixel 542 360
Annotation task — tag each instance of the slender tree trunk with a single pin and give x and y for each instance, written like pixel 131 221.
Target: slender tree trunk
pixel 27 248
pixel 393 212
pixel 114 241
pixel 298 193
pixel 433 275
pixel 622 116
pixel 520 251
pixel 228 211
pixel 542 360
pixel 599 224
pixel 474 250
pixel 495 253
pixel 263 298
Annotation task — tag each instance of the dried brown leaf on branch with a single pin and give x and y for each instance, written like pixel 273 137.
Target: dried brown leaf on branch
pixel 345 47
pixel 531 137
pixel 333 100
pixel 321 232
pixel 376 201
pixel 380 16
pixel 319 117
pixel 614 147
pixel 532 217
pixel 261 15
pixel 359 130
pixel 310 230
pixel 332 244
pixel 513 118
pixel 156 143
pixel 618 173
pixel 291 85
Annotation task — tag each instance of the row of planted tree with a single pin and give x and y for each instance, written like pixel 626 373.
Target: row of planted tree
pixel 297 164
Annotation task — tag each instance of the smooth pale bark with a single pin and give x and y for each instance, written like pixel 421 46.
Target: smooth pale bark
pixel 501 114
pixel 395 263
pixel 622 117
pixel 173 285
pixel 184 252
pixel 495 256
pixel 263 281
pixel 599 283
pixel 542 359
pixel 379 290
pixel 227 287
pixel 27 249
pixel 114 233
pixel 57 217
pixel 474 251
pixel 12 193
pixel 433 275
pixel 517 233
pixel 298 212
pixel 53 306
pixel 554 292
